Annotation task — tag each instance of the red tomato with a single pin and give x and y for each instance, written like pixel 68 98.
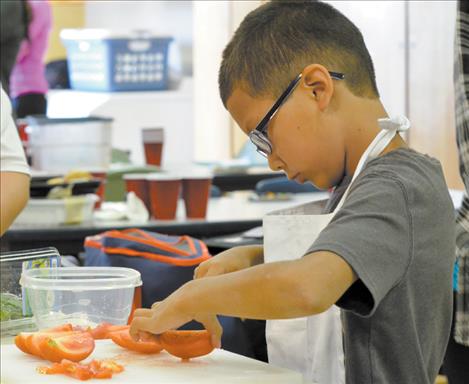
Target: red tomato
pixel 123 339
pixel 103 331
pixel 73 369
pixel 53 369
pixel 103 369
pixel 20 342
pixel 75 346
pixel 59 328
pixel 111 365
pixel 26 346
pixel 186 344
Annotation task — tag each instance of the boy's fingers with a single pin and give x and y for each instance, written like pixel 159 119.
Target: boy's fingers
pixel 143 312
pixel 213 326
pixel 140 324
pixel 154 305
pixel 200 271
pixel 215 270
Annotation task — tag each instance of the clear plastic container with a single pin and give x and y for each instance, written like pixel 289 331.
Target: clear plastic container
pixel 83 296
pixel 15 312
pixel 70 210
pixel 60 145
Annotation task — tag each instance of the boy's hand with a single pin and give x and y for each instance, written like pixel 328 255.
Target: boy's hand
pixel 165 315
pixel 231 260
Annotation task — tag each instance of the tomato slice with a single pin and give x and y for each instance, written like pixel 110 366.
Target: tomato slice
pixel 59 328
pixel 53 369
pixel 75 346
pixel 20 342
pixel 33 340
pixel 111 365
pixel 24 340
pixel 103 331
pixel 99 369
pixel 186 344
pixel 69 368
pixel 123 339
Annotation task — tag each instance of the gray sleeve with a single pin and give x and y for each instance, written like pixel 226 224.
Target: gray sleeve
pixel 372 233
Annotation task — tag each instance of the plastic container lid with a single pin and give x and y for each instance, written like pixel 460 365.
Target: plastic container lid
pixel 81 278
pixel 44 120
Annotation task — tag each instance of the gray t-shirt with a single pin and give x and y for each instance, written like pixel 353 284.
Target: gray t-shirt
pixel 396 230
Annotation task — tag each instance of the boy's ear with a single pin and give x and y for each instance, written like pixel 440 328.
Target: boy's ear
pixel 317 80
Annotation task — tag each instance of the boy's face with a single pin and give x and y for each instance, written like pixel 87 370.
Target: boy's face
pixel 307 143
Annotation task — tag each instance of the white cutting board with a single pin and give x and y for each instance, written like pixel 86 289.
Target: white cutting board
pixel 218 367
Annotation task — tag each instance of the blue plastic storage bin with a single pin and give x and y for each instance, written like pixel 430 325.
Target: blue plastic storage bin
pixel 101 61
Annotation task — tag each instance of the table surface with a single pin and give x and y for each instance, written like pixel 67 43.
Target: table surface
pixel 233 208
pixel 225 215
pixel 218 367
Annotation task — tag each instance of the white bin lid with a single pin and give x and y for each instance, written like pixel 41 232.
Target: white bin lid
pixel 101 33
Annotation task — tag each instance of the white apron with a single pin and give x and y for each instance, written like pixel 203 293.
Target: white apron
pixel 312 345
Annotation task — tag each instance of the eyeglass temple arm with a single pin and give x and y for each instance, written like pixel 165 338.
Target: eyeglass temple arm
pixel 337 75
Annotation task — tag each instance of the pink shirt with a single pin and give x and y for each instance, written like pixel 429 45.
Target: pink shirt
pixel 28 74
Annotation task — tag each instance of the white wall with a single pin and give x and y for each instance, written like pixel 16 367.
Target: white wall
pixel 382 27
pixel 214 24
pixel 431 88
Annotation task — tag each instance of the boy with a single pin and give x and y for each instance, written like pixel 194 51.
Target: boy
pixel 298 79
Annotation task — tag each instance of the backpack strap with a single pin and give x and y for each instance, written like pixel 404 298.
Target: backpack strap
pixel 169 245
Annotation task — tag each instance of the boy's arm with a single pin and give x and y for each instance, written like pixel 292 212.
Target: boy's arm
pixel 279 290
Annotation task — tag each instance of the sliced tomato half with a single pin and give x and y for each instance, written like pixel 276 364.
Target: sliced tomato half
pixel 24 340
pixel 59 328
pixel 123 339
pixel 103 331
pixel 186 344
pixel 20 342
pixel 75 346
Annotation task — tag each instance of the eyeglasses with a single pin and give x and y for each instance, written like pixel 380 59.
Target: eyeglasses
pixel 258 136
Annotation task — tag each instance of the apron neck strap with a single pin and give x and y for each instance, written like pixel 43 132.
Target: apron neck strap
pixel 389 128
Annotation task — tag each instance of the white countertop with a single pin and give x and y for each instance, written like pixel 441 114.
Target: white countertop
pixel 218 367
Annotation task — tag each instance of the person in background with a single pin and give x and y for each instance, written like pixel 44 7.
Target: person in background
pixel 299 81
pixel 456 365
pixel 14 171
pixel 28 84
pixel 14 17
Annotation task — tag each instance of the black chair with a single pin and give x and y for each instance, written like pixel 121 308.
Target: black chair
pixel 215 191
pixel 282 184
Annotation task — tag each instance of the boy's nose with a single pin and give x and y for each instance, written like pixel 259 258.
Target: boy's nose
pixel 275 164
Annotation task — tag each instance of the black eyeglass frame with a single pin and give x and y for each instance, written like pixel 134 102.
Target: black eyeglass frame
pixel 258 135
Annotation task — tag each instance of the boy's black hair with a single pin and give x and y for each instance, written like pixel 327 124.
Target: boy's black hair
pixel 280 38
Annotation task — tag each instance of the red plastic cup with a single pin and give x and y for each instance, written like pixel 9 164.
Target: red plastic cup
pixel 101 189
pixel 22 125
pixel 137 183
pixel 196 193
pixel 153 140
pixel 164 195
